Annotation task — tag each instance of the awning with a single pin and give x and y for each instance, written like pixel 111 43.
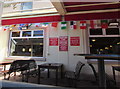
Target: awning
pixel 66 11
pixel 32 20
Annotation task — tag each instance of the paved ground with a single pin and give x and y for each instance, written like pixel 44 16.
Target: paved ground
pixel 86 81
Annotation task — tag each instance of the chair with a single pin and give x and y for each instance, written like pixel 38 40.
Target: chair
pixel 115 68
pixel 26 67
pixel 74 75
pixel 94 72
pixel 32 70
pixel 109 81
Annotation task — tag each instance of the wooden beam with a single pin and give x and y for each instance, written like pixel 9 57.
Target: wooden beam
pixel 59 6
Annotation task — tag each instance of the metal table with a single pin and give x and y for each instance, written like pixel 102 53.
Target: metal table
pixel 101 66
pixel 48 66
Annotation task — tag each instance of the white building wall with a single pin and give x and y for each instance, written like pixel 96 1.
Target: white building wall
pixel 4 36
pixel 67 57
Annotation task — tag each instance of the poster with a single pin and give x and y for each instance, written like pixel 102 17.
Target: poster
pixel 63 43
pixel 75 41
pixel 53 41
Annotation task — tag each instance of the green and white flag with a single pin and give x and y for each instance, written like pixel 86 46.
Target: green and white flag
pixel 45 24
pixel 63 25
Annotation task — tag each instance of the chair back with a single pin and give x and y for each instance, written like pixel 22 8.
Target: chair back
pixel 22 65
pixel 78 69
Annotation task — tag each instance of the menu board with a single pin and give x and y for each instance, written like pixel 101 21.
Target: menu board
pixel 63 43
pixel 53 41
pixel 75 41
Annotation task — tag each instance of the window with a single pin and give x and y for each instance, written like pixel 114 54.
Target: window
pixel 26 6
pixel 97 31
pixel 112 31
pixel 104 45
pixel 105 41
pixel 27 43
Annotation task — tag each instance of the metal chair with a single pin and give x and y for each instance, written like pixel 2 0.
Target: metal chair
pixel 26 67
pixel 115 68
pixel 94 72
pixel 109 81
pixel 74 75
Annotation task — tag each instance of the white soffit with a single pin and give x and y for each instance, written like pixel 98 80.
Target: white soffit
pixel 44 7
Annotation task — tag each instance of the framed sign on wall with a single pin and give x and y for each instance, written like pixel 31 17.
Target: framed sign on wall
pixel 53 41
pixel 63 43
pixel 75 41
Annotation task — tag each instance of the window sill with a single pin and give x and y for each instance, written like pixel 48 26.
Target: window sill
pixel 26 58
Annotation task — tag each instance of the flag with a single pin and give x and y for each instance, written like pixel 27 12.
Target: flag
pixel 37 24
pixel 44 24
pixel 20 26
pixel 29 24
pixel 6 28
pixel 93 24
pixel 83 25
pixel 63 25
pixel 75 24
pixel 54 24
pixel 104 24
pixel 72 24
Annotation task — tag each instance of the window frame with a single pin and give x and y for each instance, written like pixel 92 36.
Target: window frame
pixel 103 35
pixel 27 57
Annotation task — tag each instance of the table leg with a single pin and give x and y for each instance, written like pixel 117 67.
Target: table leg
pixel 114 74
pixel 56 76
pixel 39 72
pixel 4 70
pixel 102 76
pixel 61 71
pixel 48 74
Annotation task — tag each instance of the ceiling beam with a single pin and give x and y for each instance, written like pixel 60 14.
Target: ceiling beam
pixel 92 4
pixel 93 11
pixel 59 6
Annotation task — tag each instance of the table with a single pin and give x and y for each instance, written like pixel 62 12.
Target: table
pixel 48 66
pixel 4 66
pixel 101 66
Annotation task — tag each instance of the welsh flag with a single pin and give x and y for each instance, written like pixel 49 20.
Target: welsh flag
pixel 73 25
pixel 54 24
pixel 83 25
pixel 104 24
pixel 63 25
pixel 93 24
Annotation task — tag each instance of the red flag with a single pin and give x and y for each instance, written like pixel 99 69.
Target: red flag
pixel 104 24
pixel 54 24
pixel 93 24
pixel 83 25
pixel 75 24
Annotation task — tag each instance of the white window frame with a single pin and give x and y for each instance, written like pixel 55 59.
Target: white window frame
pixel 27 57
